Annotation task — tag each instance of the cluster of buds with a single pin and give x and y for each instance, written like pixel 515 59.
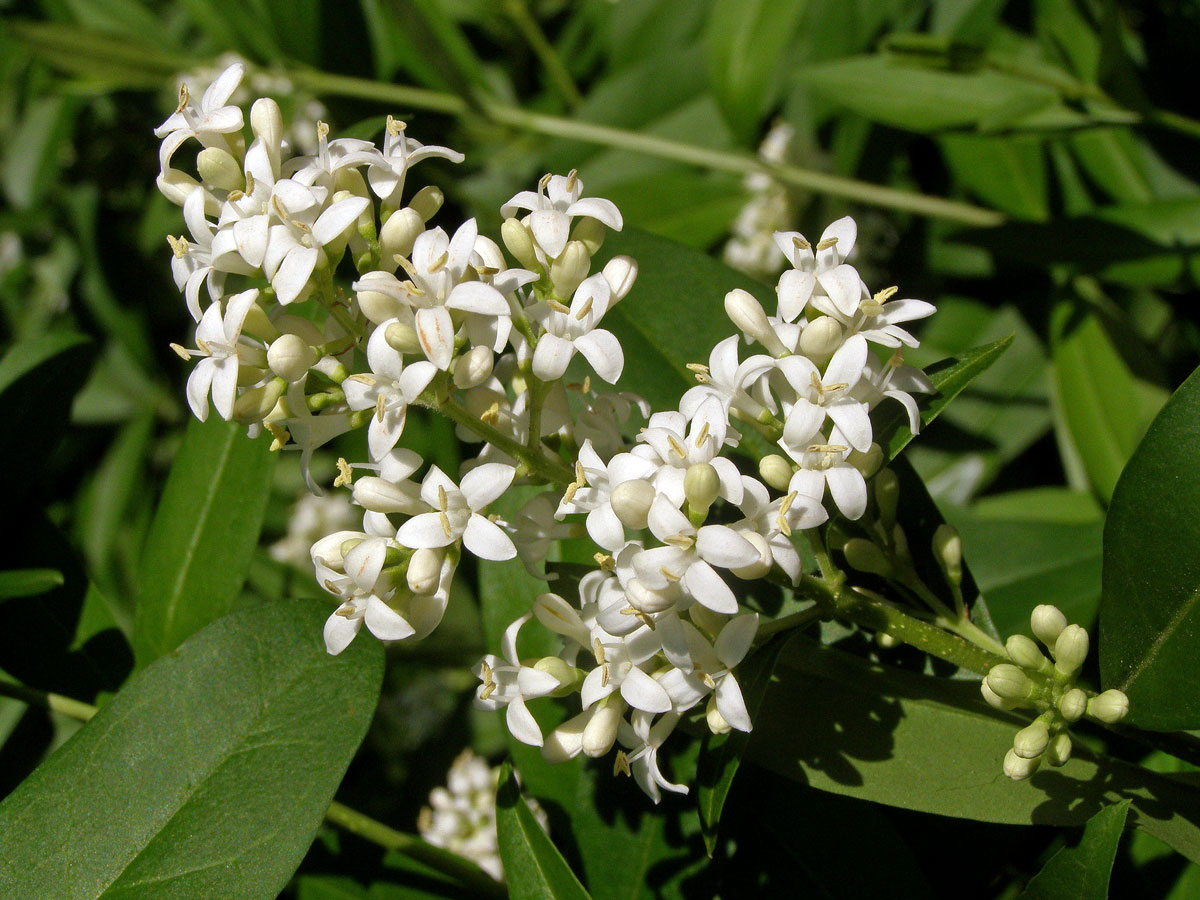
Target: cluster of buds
pixel 1033 681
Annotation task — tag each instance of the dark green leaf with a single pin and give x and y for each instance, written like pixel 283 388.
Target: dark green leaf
pixel 1150 609
pixel 534 869
pixel 1008 173
pixel 722 754
pixel 1081 872
pixel 206 776
pixel 203 535
pixel 28 582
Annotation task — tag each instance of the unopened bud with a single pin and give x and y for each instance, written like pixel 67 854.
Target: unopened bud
pixel 866 556
pixel 601 732
pixel 701 486
pixel 472 368
pixel 1010 683
pixel 1071 649
pixel 424 571
pixel 266 121
pixel 219 169
pixel 379 495
pixel 1047 623
pixel 776 471
pixel 947 548
pixel 631 501
pixel 1059 750
pixel 566 675
pixel 1110 707
pixel 1073 704
pixel 570 268
pixel 565 741
pixel 256 404
pixel 993 699
pixel 820 338
pixel 399 233
pixel 519 242
pixel 867 462
pixel 620 272
pixel 761 566
pixel 402 338
pixel 259 324
pixel 747 315
pixel 887 496
pixel 1025 653
pixel 1031 741
pixel 290 357
pixel 589 232
pixel 716 721
pixel 427 201
pixel 647 600
pixel 1019 769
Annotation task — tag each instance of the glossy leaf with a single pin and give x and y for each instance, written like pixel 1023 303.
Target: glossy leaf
pixel 721 755
pixel 533 867
pixel 28 582
pixel 1081 872
pixel 203 535
pixel 1150 609
pixel 206 776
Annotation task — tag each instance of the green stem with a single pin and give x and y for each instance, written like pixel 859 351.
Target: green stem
pixel 664 148
pixel 925 636
pixel 531 30
pixel 457 867
pixel 72 709
pixel 536 461
pixel 794 621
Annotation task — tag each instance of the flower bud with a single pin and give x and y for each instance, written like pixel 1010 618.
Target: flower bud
pixel 947 548
pixel 427 201
pixel 865 556
pixel 256 404
pixel 259 324
pixel 1059 750
pixel 377 306
pixel 1025 653
pixel 570 268
pixel 1047 623
pixel 589 232
pixel 701 486
pixel 646 600
pixel 519 242
pixel 398 234
pixel 1031 741
pixel 382 496
pixel 760 567
pixel 1071 649
pixel 559 616
pixel 1073 704
pixel 568 676
pixel 472 368
pixel 1019 769
pixel 1010 683
pixel 820 338
pixel 402 338
pixel 993 699
pixel 887 496
pixel 219 169
pixel 266 121
pixel 1110 707
pixel 290 357
pixel 868 462
pixel 716 721
pixel 747 315
pixel 620 272
pixel 631 501
pixel 776 471
pixel 705 619
pixel 601 732
pixel 565 741
pixel 424 571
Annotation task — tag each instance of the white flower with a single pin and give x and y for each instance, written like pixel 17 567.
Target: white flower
pixel 400 152
pixel 666 444
pixel 362 587
pixel 207 121
pixel 712 669
pixel 617 667
pixel 192 261
pixel 739 386
pixel 506 682
pixel 829 395
pixel 899 382
pixel 825 464
pixel 457 513
pixel 773 521
pixel 389 389
pixel 819 276
pixel 331 157
pixel 593 493
pixel 644 740
pixel 305 226
pixel 571 329
pixel 559 199
pixel 219 340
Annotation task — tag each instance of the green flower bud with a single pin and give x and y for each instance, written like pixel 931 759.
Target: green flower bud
pixel 1110 707
pixel 649 601
pixel 601 732
pixel 993 699
pixel 947 549
pixel 1031 741
pixel 1071 649
pixel 620 272
pixel 747 315
pixel 1047 623
pixel 1025 653
pixel 424 571
pixel 887 496
pixel 402 338
pixel 569 269
pixel 589 232
pixel 427 201
pixel 701 486
pixel 290 357
pixel 1059 750
pixel 1019 769
pixel 256 404
pixel 519 242
pixel 866 557
pixel 382 496
pixel 266 121
pixel 716 721
pixel 472 368
pixel 760 567
pixel 820 338
pixel 1073 704
pixel 1010 682
pixel 867 463
pixel 775 471
pixel 219 169
pixel 569 677
pixel 398 235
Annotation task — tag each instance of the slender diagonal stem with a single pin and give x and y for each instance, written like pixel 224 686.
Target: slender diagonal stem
pixel 521 16
pixel 536 461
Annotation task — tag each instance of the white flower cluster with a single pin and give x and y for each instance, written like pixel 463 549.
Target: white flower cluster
pixel 461 816
pixel 751 247
pixel 447 323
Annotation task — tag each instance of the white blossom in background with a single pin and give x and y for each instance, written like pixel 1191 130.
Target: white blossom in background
pixel 310 519
pixel 751 247
pixel 461 817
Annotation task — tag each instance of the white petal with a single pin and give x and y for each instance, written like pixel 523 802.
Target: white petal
pixel 477 297
pixel 795 290
pixel 603 351
pixel 846 231
pixel 485 483
pixel 598 208
pixel 595 687
pixel 460 248
pixel 522 725
pixel 487 540
pixel 642 692
pixel 803 421
pixel 384 622
pixel 425 530
pixel 846 367
pixel 337 219
pixel 706 586
pixel 731 705
pixel 605 528
pixel 721 546
pixel 223 86
pixel 224 386
pixel 551 229
pixel 551 357
pixel 339 632
pixel 435 331
pixel 250 235
pixel 848 489
pixel 735 639
pixel 843 287
pixel 294 273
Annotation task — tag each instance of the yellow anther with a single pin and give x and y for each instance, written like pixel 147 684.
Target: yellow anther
pixel 643 617
pixel 800 243
pixel 826 448
pixel 605 561
pixel 827 243
pixel 587 308
pixel 380 408
pixel 322 130
pixel 598 651
pixel 485 271
pixel 558 307
pixel 896 359
pixel 701 378
pixel 181 352
pixel 346 612
pixel 682 541
pixel 604 676
pixel 179 245
pixel 443 500
pixel 445 520
pixel 394 126
pixel 279 434
pixel 345 473
pixel 698 367
pixel 587 384
pixel 491 415
pixel 580 474
pixel 621 764
pixel 330 586
pixel 676 447
pixel 204 346
pixel 544 181
pixel 669 575
pixel 249 183
pixel 440 261
pixel 572 177
pixel 183 97
pixel 703 435
pixel 781 521
pixel 708 680
pixel 886 294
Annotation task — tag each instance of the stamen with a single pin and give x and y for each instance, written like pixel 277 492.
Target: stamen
pixel 698 367
pixel 676 447
pixel 669 575
pixel 443 500
pixel 445 520
pixel 703 435
pixel 572 177
pixel 345 473
pixel 558 307
pixel 183 97
pixel 682 541
pixel 605 561
pixel 587 308
pixel 621 764
pixel 346 612
pixel 179 246
pixel 491 415
pixel 322 130
pixel 827 243
pixel 181 352
pixel 280 435
pixel 440 261
pixel 249 183
pixel 598 651
pixel 800 243
pixel 394 126
pixel 380 408
pixel 705 677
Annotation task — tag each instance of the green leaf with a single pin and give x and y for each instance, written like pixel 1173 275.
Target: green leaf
pixel 921 99
pixel 203 535
pixel 33 157
pixel 950 377
pixel 1150 608
pixel 28 582
pixel 534 869
pixel 1100 406
pixel 1008 173
pixel 1081 872
pixel 206 776
pixel 745 43
pixel 721 755
pixel 877 733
